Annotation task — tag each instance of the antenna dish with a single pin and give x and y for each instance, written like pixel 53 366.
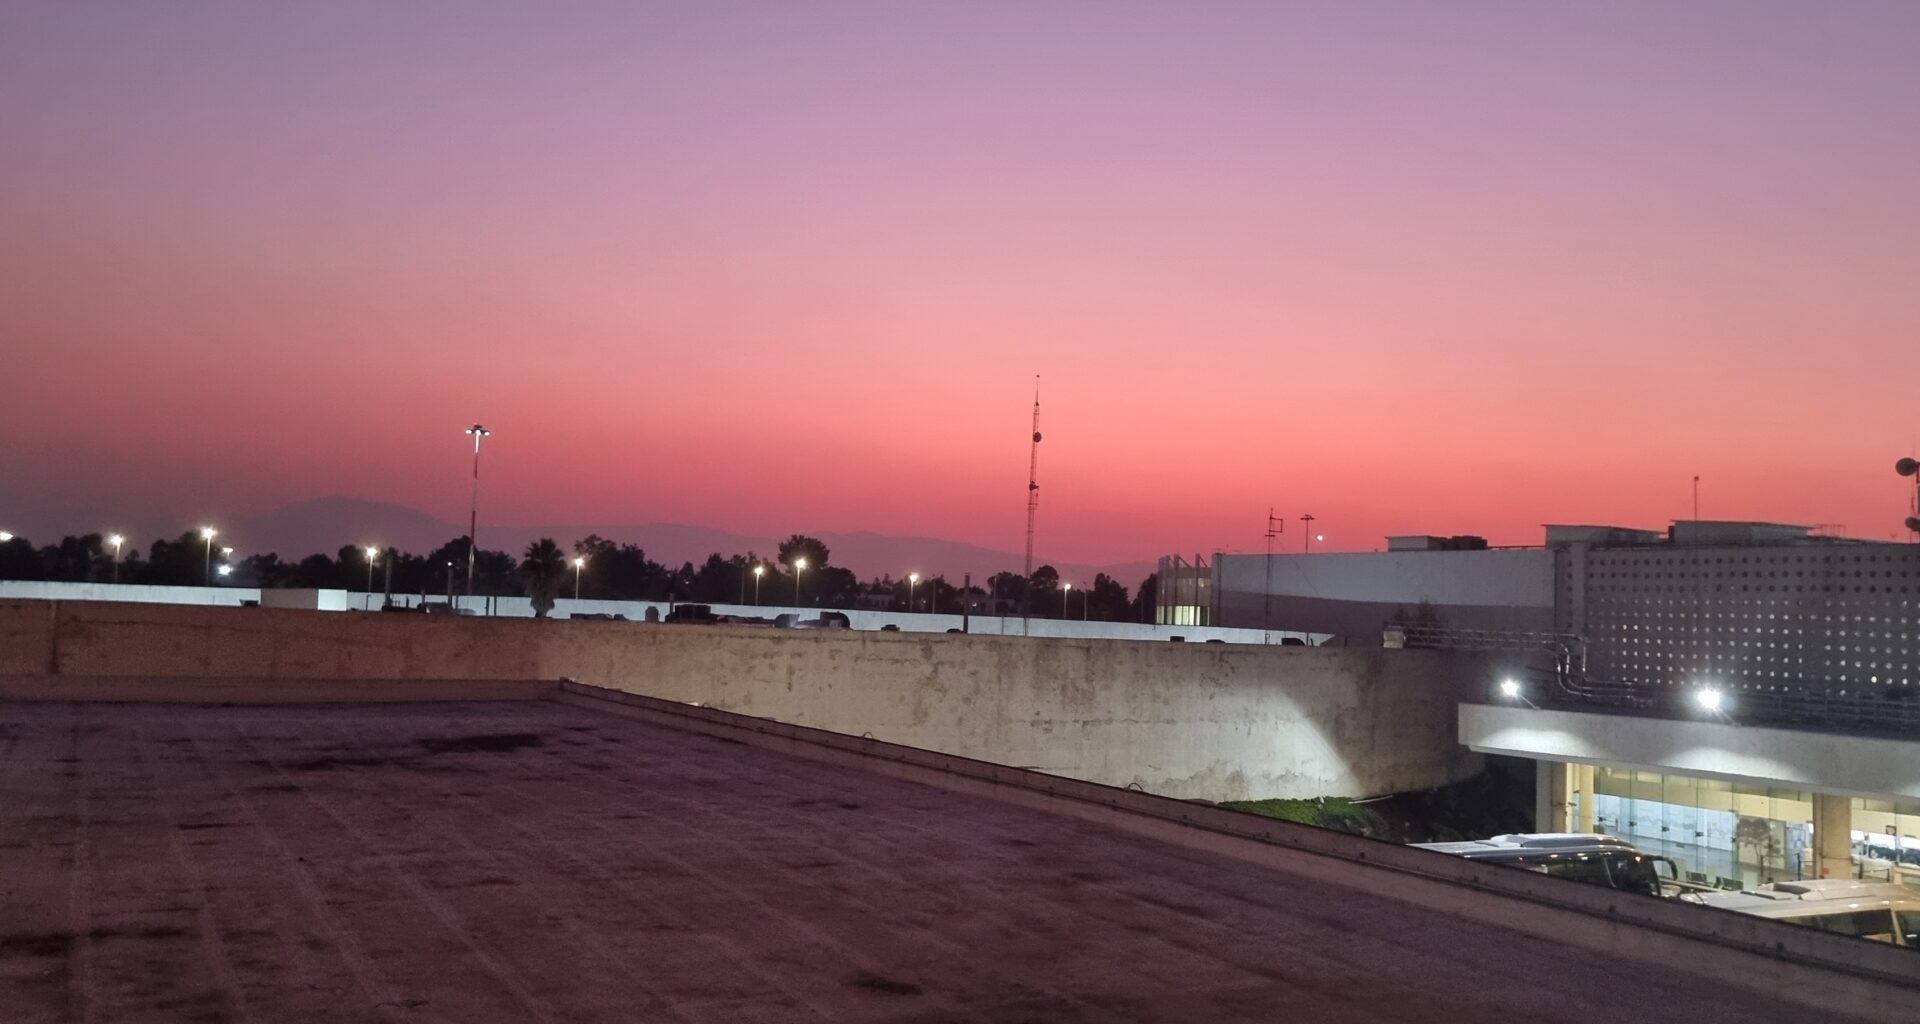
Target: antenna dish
pixel 1906 467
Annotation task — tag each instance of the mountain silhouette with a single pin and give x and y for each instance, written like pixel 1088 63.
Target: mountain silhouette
pixel 328 524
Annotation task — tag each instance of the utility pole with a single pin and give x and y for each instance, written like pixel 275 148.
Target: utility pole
pixel 1275 527
pixel 1306 536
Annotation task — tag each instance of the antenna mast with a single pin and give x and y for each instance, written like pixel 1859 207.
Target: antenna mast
pixel 1033 503
pixel 1275 527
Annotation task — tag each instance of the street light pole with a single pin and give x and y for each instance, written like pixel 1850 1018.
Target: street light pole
pixel 372 553
pixel 799 566
pixel 579 566
pixel 1066 596
pixel 912 578
pixel 473 508
pixel 758 571
pixel 206 534
pixel 1306 534
pixel 116 540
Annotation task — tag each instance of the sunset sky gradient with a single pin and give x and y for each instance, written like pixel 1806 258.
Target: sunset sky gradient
pixel 792 266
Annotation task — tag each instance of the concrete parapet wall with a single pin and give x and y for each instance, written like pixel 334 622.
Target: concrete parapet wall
pixel 1217 721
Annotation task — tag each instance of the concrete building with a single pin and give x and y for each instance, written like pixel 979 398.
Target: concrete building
pixel 1731 693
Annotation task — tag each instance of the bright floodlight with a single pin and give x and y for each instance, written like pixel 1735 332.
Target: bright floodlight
pixel 913 577
pixel 759 570
pixel 226 552
pixel 1318 537
pixel 226 570
pixel 1509 688
pixel 1709 699
pixel 799 563
pixel 372 552
pixel 207 532
pixel 579 560
pixel 5 536
pixel 116 540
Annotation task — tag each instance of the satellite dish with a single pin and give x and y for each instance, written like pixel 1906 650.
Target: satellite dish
pixel 1906 467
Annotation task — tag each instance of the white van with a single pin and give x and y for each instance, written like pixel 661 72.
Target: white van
pixel 1881 911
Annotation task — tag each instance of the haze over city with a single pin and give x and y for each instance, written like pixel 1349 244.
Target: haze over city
pixel 783 267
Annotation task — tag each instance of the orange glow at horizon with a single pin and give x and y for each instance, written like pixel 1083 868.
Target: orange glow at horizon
pixel 793 269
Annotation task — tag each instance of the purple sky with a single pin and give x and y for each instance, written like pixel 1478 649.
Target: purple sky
pixel 1412 268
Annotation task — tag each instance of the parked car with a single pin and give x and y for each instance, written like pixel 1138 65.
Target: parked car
pixel 827 620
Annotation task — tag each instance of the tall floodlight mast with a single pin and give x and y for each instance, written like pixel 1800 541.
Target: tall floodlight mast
pixel 1033 506
pixel 473 507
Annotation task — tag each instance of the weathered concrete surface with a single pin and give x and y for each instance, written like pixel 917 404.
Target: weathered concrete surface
pixel 497 862
pixel 251 690
pixel 1212 721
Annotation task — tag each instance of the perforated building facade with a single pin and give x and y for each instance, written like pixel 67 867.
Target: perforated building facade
pixel 1814 614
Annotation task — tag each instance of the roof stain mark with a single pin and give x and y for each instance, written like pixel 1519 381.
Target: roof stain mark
pixel 886 986
pixel 485 743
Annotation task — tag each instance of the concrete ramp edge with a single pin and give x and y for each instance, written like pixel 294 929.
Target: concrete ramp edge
pixel 1795 964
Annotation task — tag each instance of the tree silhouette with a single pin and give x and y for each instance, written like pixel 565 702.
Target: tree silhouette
pixel 1145 599
pixel 800 545
pixel 1108 599
pixel 542 569
pixel 617 571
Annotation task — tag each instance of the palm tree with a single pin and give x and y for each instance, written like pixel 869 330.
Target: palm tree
pixel 543 568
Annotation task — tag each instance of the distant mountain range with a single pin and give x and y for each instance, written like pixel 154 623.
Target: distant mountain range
pixel 328 524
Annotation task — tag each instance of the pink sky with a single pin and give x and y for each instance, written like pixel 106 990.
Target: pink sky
pixel 1431 268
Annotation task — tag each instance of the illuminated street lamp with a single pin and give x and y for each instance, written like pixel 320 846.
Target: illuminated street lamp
pixel 912 578
pixel 799 566
pixel 579 565
pixel 758 571
pixel 206 534
pixel 473 509
pixel 1066 595
pixel 116 540
pixel 5 536
pixel 373 555
pixel 226 570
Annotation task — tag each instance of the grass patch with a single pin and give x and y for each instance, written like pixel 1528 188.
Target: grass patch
pixel 1332 812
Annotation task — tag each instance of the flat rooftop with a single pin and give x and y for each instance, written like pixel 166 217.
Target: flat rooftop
pixel 546 861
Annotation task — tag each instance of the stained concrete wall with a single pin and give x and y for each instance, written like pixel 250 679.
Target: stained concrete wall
pixel 1218 722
